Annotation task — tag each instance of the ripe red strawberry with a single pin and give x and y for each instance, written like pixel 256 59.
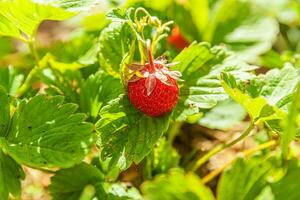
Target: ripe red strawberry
pixel 177 39
pixel 156 92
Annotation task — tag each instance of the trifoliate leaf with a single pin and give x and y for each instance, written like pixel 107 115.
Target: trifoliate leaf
pixel 69 184
pixel 127 135
pixel 10 175
pixel 46 133
pixel 244 180
pixel 97 91
pixel 176 185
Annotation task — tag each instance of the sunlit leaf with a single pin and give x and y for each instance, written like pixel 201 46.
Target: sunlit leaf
pixel 45 133
pixel 244 180
pixel 127 135
pixel 176 185
pixel 10 175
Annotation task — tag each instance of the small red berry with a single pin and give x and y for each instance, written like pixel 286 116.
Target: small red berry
pixel 156 91
pixel 177 40
pixel 152 95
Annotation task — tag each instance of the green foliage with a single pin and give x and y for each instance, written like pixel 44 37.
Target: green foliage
pixel 125 134
pixel 19 17
pixel 42 87
pixel 96 91
pixel 238 24
pixel 287 184
pixel 201 66
pixel 223 116
pixel 176 185
pixel 10 79
pixel 5 111
pixel 291 122
pixel 266 97
pixel 165 157
pixel 88 183
pixel 258 108
pixel 244 180
pixel 64 185
pixel 119 191
pixel 114 44
pixel 45 133
pixel 11 173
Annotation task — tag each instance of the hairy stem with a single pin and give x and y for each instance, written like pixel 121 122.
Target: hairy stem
pixel 245 153
pixel 221 147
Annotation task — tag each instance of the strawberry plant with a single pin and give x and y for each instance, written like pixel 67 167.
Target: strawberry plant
pixel 155 100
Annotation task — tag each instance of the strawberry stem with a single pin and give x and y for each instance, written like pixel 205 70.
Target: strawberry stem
pixel 150 57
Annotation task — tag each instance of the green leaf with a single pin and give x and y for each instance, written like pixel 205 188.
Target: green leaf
pixel 258 108
pixel 97 91
pixel 287 187
pixel 266 194
pixel 180 14
pixel 4 112
pixel 244 180
pixel 10 175
pixel 88 183
pixel 165 157
pixel 277 86
pixel 69 184
pixel 85 43
pixel 223 116
pixel 250 40
pixel 242 27
pixel 94 21
pixel 201 67
pixel 267 96
pixel 6 46
pixel 176 185
pixel 71 5
pixel 199 12
pixel 60 81
pixel 114 44
pixel 120 191
pixel 127 135
pixel 46 133
pixel 285 11
pixel 21 18
pixel 10 79
pixel 291 125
